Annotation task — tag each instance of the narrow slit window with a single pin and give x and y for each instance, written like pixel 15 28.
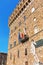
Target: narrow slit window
pixel 26 63
pixel 18 53
pixel 25 51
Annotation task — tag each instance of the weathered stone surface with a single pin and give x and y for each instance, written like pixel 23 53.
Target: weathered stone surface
pixel 33 19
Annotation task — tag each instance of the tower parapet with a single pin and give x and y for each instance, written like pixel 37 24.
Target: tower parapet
pixel 20 7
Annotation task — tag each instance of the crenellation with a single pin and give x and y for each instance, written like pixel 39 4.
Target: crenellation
pixel 19 9
pixel 18 12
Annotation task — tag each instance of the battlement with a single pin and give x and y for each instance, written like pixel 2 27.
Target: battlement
pixel 20 7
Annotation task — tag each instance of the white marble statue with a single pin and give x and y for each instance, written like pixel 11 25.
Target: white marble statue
pixel 36 59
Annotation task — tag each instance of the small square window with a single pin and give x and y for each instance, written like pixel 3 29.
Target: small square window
pixel 32 10
pixel 14 43
pixel 24 18
pixel 10 46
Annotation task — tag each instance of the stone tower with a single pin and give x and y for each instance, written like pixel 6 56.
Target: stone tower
pixel 25 23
